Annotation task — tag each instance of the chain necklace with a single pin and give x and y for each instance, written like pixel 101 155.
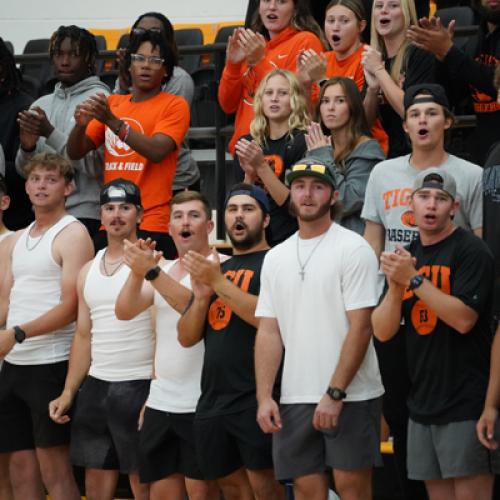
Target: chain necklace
pixel 117 264
pixel 40 238
pixel 302 271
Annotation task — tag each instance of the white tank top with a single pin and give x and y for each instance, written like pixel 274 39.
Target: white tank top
pixel 120 350
pixel 36 290
pixel 176 387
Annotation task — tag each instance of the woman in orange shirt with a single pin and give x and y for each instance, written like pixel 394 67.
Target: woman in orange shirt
pixel 281 28
pixel 345 21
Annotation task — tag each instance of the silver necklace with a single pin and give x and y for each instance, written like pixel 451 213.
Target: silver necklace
pixel 302 267
pixel 38 241
pixel 117 264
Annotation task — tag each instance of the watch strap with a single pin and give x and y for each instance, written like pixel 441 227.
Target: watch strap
pixel 336 393
pixel 19 334
pixel 152 273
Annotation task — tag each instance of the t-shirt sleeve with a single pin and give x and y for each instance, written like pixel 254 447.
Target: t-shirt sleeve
pixel 174 121
pixel 95 132
pixel 360 279
pixel 473 278
pixel 475 211
pixel 265 304
pixel 369 211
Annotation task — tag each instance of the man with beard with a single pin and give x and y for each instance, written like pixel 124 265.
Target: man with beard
pixel 230 446
pixel 47 124
pixel 330 405
pixel 111 361
pixel 469 71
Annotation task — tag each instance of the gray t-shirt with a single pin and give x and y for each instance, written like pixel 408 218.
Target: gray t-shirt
pixel 390 186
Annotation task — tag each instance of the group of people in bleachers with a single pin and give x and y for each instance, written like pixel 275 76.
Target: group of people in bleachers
pixel 358 285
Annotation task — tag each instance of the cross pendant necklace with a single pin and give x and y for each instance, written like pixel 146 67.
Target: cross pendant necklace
pixel 302 271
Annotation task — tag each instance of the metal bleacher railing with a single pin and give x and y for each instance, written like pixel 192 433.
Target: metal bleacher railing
pixel 218 132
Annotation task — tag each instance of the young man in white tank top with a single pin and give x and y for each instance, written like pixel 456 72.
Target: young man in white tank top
pixel 38 297
pixel 111 360
pixel 167 457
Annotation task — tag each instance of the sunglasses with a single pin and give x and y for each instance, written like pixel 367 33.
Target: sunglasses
pixel 320 169
pixel 141 31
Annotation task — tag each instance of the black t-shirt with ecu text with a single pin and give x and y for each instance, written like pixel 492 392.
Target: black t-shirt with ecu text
pixel 449 370
pixel 228 376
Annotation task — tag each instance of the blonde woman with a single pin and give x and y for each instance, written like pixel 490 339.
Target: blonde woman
pixel 276 141
pixel 391 65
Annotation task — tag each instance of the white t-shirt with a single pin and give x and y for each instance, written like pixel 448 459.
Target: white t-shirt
pixel 120 350
pixel 389 189
pixel 341 275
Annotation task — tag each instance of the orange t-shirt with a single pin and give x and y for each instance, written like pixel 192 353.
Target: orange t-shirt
pixel 239 83
pixel 165 114
pixel 351 67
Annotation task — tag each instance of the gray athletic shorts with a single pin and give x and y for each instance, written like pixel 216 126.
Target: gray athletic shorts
pixel 299 449
pixel 446 451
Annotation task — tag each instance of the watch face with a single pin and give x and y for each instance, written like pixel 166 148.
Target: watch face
pixel 152 273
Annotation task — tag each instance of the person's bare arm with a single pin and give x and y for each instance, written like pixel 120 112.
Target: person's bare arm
pixel 268 354
pixel 386 317
pixel 208 272
pixel 191 324
pixel 6 280
pixel 486 423
pixel 375 236
pixel 71 248
pixel 79 358
pixel 141 258
pixel 351 356
pixel 155 148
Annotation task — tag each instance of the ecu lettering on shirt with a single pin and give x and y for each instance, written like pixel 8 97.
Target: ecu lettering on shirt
pixel 219 314
pixel 423 318
pixel 483 103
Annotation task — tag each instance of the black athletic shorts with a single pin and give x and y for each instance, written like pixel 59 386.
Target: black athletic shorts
pixel 166 446
pixel 104 433
pixel 25 394
pixel 226 443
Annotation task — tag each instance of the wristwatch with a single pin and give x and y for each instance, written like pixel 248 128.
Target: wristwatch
pixel 416 281
pixel 336 394
pixel 152 274
pixel 19 334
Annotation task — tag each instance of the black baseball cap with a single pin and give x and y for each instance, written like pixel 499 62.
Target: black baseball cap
pixel 253 191
pixel 311 167
pixel 436 93
pixel 120 190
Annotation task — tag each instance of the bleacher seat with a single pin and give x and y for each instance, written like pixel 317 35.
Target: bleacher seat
pixel 40 71
pixel 191 36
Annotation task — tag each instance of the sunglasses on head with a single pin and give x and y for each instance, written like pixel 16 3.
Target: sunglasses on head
pixel 141 31
pixel 321 169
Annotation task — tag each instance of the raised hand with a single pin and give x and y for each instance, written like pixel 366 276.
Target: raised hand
pixel 234 53
pixel 141 256
pixel 253 45
pixel 432 36
pixel 315 138
pixel 311 67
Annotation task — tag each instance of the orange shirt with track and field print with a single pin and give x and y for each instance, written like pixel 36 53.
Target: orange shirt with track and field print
pixel 162 114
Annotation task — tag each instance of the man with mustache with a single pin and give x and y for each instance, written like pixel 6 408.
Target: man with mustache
pixel 111 360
